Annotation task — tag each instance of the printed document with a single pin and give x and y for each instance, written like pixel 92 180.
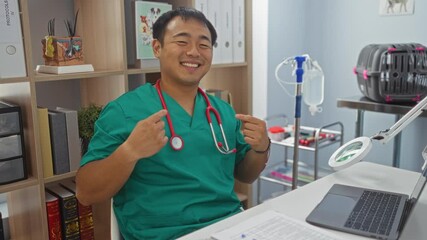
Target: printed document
pixel 272 225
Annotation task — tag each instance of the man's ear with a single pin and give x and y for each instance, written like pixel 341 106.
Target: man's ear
pixel 157 47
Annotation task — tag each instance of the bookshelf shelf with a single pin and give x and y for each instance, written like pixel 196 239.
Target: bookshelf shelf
pixel 58 178
pixel 44 77
pixel 105 28
pixel 30 182
pixel 229 65
pixel 133 71
pixel 14 80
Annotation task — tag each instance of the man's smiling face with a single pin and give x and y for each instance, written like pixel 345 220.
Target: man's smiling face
pixel 186 52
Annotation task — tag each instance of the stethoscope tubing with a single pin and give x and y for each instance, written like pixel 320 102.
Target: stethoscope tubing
pixel 209 109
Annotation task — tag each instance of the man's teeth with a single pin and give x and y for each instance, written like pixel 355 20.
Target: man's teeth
pixel 190 65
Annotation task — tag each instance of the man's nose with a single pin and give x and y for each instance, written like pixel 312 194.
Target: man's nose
pixel 193 50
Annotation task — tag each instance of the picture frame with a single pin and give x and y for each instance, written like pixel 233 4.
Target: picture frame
pixel 146 14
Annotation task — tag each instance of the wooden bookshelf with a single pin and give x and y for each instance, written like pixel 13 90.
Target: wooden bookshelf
pixel 102 26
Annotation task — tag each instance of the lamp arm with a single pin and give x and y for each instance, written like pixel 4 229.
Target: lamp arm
pixel 385 135
pixel 424 154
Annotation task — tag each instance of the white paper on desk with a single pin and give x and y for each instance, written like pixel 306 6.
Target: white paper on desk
pixel 271 225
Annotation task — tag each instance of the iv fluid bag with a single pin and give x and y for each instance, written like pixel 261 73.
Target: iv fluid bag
pixel 313 87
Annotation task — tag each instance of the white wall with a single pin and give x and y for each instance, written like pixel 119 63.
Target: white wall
pixel 259 71
pixel 333 32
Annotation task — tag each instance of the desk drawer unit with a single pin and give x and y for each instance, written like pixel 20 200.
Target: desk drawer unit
pixel 12 153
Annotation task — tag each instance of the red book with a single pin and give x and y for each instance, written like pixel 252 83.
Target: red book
pixel 86 222
pixel 69 212
pixel 53 217
pixel 87 231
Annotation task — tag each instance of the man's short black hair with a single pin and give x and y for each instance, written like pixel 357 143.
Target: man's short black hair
pixel 185 13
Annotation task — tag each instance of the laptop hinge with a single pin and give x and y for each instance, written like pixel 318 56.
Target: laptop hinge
pixel 406 210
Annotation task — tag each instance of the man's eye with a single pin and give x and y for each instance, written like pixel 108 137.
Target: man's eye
pixel 181 43
pixel 205 46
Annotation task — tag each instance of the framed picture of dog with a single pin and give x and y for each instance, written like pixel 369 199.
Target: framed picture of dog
pixel 146 14
pixel 396 7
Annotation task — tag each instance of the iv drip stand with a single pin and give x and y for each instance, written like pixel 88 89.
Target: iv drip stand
pixel 299 72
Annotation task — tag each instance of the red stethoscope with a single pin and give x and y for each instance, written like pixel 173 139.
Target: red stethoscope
pixel 176 141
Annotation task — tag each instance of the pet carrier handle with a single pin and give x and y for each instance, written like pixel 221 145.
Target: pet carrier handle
pixel 403 50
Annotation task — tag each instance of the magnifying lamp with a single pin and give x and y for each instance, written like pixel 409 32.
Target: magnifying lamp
pixel 356 149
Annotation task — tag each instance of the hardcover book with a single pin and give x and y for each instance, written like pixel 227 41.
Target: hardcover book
pixel 74 148
pixel 12 56
pixel 69 212
pixel 146 14
pixel 238 45
pixel 58 138
pixel 45 144
pixel 222 94
pixel 85 215
pixel 53 217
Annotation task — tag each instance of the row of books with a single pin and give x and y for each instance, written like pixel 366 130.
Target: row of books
pixel 12 56
pixel 67 218
pixel 228 18
pixel 59 138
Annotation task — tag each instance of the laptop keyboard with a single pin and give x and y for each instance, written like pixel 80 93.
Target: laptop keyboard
pixel 374 212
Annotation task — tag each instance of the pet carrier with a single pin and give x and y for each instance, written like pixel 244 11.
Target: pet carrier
pixel 393 73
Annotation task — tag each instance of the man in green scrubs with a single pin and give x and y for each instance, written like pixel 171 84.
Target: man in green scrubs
pixel 160 192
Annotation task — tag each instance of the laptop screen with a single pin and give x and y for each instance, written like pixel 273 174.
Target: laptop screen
pixel 420 184
pixel 423 178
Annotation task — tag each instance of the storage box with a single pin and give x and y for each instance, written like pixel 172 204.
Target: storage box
pixel 10 147
pixel 12 152
pixel 393 72
pixel 276 133
pixel 12 170
pixel 9 122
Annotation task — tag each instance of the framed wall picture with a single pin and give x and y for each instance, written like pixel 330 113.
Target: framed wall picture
pixel 146 14
pixel 396 7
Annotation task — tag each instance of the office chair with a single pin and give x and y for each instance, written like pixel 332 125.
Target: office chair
pixel 114 227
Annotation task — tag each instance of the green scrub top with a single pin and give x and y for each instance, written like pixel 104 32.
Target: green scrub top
pixel 171 193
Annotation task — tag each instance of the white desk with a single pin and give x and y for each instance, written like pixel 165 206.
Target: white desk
pixel 300 202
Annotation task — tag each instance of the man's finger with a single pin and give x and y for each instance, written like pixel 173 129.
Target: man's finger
pixel 157 116
pixel 251 126
pixel 248 118
pixel 243 117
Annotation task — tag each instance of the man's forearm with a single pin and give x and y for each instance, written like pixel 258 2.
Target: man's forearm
pixel 251 166
pixel 100 180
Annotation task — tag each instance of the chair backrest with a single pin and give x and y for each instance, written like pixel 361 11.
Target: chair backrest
pixel 115 232
pixel 223 94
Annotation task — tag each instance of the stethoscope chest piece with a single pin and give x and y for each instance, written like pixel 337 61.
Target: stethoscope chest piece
pixel 176 143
